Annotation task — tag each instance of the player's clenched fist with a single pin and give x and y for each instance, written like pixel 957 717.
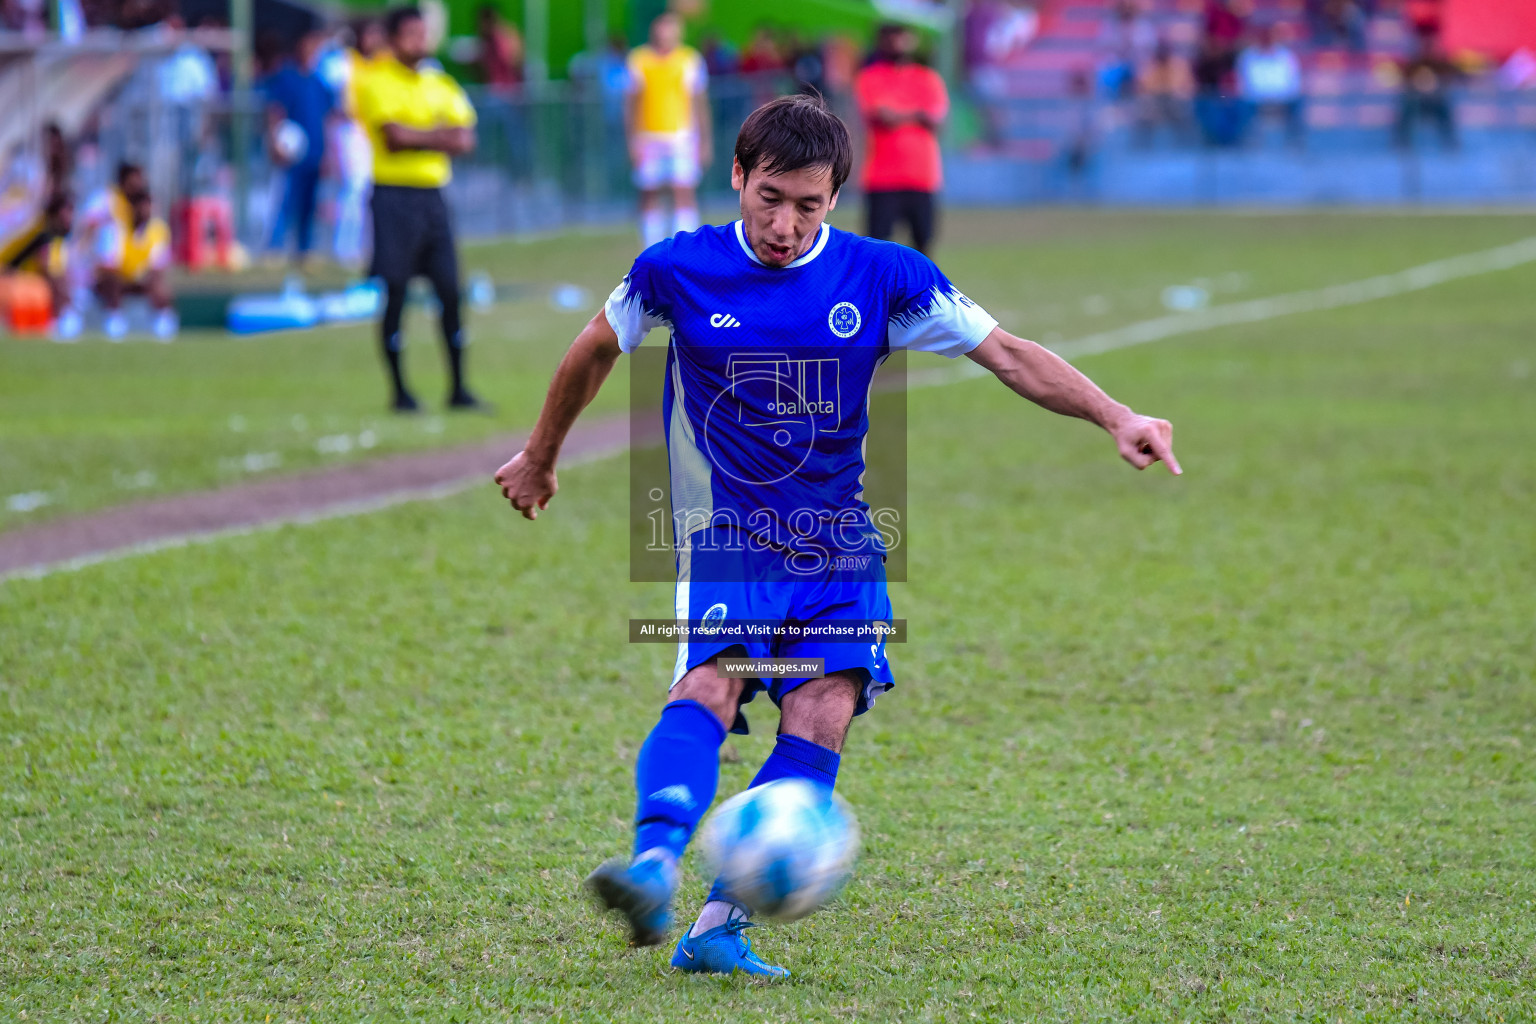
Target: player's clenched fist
pixel 1144 440
pixel 527 485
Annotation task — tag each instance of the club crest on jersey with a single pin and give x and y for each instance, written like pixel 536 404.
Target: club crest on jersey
pixel 845 320
pixel 714 619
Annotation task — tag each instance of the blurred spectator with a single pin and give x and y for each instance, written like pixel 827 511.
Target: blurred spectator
pixel 42 250
pixel 299 106
pixel 1423 16
pixel 354 153
pixel 58 161
pixel 1225 23
pixel 111 205
pixel 1338 21
pixel 1269 82
pixel 223 60
pixel 1165 87
pixel 1083 139
pixel 763 53
pixel 1129 40
pixel 501 50
pixel 806 65
pixel 994 32
pixel 1014 25
pixel 840 57
pixel 134 260
pixel 267 52
pixel 1217 109
pixel 22 182
pixel 609 68
pixel 1427 80
pixel 188 75
pixel 720 57
pixel 903 104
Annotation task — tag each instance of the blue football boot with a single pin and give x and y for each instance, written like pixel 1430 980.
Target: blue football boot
pixel 723 950
pixel 641 891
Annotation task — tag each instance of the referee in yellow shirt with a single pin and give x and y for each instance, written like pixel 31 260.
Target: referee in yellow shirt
pixel 416 119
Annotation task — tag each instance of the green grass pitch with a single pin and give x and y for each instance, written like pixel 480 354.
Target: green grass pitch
pixel 1255 744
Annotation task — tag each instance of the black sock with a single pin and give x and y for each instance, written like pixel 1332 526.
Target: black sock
pixel 455 345
pixel 394 307
pixel 453 334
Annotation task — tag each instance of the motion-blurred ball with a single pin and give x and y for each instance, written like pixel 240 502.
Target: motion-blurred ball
pixel 783 848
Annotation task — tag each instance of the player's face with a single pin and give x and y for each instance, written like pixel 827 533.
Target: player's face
pixel 371 39
pixel 666 33
pixel 782 213
pixel 410 41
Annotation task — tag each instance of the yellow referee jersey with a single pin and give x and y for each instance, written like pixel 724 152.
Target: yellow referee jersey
pixel 420 98
pixel 666 86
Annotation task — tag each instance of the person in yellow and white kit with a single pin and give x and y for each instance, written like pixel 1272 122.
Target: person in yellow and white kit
pixel 132 259
pixel 667 125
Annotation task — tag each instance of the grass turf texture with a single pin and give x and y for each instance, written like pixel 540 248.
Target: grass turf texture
pixel 1255 744
pixel 94 424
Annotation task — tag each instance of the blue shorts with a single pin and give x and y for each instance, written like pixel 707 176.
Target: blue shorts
pixel 746 585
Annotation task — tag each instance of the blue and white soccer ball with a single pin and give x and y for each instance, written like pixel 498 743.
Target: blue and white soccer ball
pixel 289 142
pixel 783 848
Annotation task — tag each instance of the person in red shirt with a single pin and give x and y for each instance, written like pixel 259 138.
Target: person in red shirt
pixel 903 103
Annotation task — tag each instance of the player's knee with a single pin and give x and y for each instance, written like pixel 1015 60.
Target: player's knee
pixel 822 710
pixel 704 684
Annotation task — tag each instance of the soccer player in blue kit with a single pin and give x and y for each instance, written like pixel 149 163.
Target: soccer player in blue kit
pixel 777 304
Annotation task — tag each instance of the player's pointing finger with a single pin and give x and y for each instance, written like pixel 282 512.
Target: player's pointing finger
pixel 1161 443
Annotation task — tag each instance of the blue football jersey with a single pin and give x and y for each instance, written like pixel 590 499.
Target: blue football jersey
pixel 769 371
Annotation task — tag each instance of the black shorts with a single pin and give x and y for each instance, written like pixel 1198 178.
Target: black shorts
pixel 887 209
pixel 411 235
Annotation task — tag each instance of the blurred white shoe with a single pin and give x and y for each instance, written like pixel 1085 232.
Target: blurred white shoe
pixel 115 325
pixel 67 326
pixel 166 325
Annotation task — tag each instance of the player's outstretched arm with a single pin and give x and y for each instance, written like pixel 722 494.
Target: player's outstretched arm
pixel 528 481
pixel 1051 382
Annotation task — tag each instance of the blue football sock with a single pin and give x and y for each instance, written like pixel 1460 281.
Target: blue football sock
pixel 792 758
pixel 795 758
pixel 676 775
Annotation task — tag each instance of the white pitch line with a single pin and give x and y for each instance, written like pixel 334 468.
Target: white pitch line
pixel 1352 293
pixel 340 510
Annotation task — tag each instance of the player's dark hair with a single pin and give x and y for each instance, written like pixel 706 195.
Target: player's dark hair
pixel 125 170
pixel 793 132
pixel 397 17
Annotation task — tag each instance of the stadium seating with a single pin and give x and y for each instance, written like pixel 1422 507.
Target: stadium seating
pixel 1352 105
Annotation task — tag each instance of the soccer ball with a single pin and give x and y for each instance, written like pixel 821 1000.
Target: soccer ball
pixel 783 848
pixel 289 142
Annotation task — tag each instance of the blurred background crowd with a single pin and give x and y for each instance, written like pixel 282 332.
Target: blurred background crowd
pixel 231 123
